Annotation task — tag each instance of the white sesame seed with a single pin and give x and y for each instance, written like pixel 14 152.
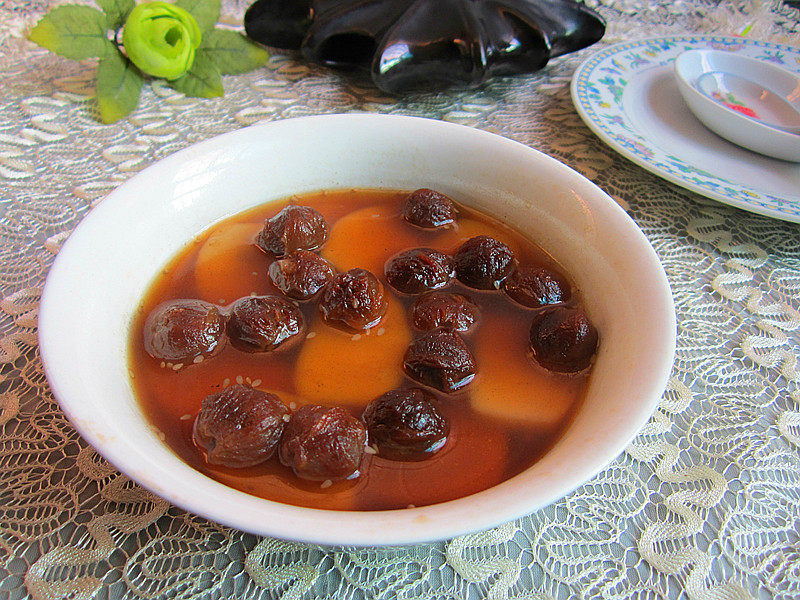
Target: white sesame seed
pixel 177 366
pixel 186 417
pixel 255 272
pixel 293 405
pixel 287 418
pixel 161 435
pixel 326 484
pixel 239 379
pixel 169 365
pixel 411 506
pixel 381 330
pixel 198 359
pixel 311 334
pixel 226 383
pixel 247 379
pixel 370 450
pixel 256 382
pixel 163 364
pixel 356 337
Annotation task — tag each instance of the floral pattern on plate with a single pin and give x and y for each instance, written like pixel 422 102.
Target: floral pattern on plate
pixel 598 88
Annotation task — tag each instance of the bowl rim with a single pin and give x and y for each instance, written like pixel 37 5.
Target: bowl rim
pixel 350 528
pixel 686 62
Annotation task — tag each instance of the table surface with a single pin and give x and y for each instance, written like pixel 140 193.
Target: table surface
pixel 705 503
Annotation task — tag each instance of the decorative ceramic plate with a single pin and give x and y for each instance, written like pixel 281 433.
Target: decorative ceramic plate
pixel 627 95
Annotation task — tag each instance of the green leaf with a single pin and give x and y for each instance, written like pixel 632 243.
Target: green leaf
pixel 205 12
pixel 119 84
pixel 73 31
pixel 202 80
pixel 116 11
pixel 232 52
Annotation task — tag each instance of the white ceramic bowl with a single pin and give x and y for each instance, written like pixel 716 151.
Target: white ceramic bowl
pixel 102 271
pixel 745 131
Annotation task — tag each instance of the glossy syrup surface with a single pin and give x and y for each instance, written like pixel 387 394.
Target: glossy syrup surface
pixel 500 424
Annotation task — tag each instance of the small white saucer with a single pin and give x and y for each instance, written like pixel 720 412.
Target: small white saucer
pixel 750 102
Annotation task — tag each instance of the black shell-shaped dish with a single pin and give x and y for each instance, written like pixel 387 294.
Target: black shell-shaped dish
pixel 409 44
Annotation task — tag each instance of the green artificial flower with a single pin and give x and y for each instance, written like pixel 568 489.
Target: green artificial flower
pixel 160 39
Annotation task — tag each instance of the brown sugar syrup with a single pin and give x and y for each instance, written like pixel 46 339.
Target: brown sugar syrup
pixel 500 424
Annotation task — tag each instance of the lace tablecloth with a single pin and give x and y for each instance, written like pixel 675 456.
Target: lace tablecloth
pixel 705 503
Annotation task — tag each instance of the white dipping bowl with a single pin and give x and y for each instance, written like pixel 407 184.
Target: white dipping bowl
pixel 742 130
pixel 103 270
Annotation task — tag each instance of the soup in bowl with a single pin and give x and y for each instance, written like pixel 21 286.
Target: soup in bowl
pixel 96 305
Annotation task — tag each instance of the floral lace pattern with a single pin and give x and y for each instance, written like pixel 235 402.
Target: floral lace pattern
pixel 705 503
